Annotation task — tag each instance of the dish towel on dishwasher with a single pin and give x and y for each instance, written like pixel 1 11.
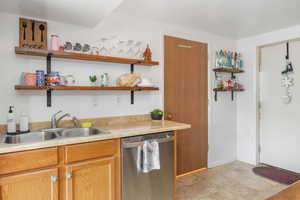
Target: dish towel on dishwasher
pixel 148 158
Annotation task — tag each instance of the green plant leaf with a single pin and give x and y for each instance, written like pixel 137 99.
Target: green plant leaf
pixel 93 78
pixel 157 112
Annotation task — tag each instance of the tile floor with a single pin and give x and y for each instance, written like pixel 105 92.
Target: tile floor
pixel 234 181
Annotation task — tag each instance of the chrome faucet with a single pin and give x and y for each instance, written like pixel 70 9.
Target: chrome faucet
pixel 55 120
pixel 76 122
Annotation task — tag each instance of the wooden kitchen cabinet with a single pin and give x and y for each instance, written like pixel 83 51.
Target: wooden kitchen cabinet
pixel 41 185
pixel 92 180
pixel 87 171
pixel 28 160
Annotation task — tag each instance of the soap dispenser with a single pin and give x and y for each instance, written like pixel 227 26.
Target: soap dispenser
pixel 11 122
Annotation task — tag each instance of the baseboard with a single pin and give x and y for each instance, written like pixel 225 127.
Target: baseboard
pixel 190 173
pixel 251 162
pixel 220 162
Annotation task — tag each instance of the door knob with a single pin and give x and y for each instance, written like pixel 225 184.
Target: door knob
pixel 169 116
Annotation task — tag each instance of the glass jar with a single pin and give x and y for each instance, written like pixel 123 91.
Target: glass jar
pixel 104 82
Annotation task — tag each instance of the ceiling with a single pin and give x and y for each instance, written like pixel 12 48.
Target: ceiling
pixel 80 12
pixel 231 18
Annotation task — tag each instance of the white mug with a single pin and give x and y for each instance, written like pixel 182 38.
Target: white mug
pixel 70 80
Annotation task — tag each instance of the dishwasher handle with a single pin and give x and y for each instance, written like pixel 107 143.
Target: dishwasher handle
pixel 128 145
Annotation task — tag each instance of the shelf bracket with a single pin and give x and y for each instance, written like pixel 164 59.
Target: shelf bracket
pixel 216 96
pixel 49 56
pixel 49 91
pixel 49 97
pixel 131 68
pixel 132 97
pixel 233 76
pixel 232 95
pixel 132 91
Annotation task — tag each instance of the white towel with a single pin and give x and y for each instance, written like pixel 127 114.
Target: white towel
pixel 150 155
pixel 139 155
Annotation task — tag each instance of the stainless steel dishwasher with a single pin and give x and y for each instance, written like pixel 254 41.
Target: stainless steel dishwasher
pixel 155 185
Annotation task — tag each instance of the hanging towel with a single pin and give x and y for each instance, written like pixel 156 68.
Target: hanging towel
pixel 139 158
pixel 150 156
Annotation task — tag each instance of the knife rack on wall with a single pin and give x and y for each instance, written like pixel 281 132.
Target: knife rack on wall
pixel 33 34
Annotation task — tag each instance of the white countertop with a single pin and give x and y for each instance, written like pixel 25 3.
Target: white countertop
pixel 116 131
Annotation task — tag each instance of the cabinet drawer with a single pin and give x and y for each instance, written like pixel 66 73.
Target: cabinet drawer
pixel 27 160
pixel 86 151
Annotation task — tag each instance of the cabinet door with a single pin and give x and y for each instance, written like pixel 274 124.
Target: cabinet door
pixel 92 180
pixel 41 185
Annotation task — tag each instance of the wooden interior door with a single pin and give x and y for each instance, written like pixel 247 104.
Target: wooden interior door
pixel 42 185
pixel 92 180
pixel 186 99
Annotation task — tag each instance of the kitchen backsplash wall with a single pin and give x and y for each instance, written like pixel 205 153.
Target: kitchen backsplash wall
pixel 87 104
pixel 113 122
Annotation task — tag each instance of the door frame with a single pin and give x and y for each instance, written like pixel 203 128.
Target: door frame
pixel 258 90
pixel 210 93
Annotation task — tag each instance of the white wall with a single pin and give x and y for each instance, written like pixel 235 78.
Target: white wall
pixel 247 134
pixel 222 119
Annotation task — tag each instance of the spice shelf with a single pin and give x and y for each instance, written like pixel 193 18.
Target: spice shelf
pixel 232 90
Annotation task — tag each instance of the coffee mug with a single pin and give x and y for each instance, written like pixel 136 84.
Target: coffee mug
pixel 77 47
pixel 68 46
pixel 70 80
pixel 62 80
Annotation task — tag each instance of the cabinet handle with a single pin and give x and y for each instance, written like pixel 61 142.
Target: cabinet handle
pixel 69 175
pixel 54 179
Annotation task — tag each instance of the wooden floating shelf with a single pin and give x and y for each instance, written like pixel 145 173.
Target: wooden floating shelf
pixel 228 70
pixel 228 89
pixel 232 90
pixel 79 56
pixel 88 88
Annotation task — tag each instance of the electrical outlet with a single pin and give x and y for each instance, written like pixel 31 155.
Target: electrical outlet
pixel 95 104
pixel 95 101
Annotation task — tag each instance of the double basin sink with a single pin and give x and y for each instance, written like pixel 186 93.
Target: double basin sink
pixel 51 134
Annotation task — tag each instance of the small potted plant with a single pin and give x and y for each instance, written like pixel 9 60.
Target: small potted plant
pixel 93 80
pixel 157 114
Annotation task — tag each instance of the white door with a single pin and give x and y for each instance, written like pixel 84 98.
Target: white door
pixel 280 123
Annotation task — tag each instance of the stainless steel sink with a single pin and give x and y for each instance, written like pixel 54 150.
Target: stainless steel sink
pixel 57 131
pixel 82 132
pixel 32 137
pixel 50 134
